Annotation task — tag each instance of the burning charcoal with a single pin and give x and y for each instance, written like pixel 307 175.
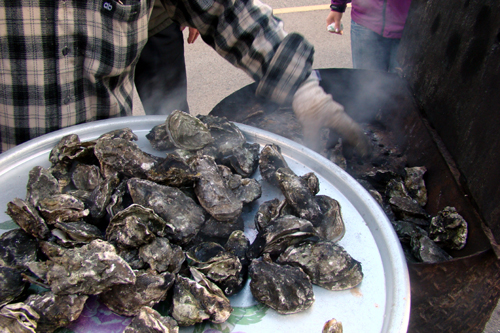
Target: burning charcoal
pixel 298 194
pixel 128 299
pixel 11 284
pixel 150 321
pixel 282 233
pixel 333 326
pixel 271 160
pixel 330 226
pixel 136 226
pixel 27 217
pixel 407 208
pixel 158 137
pixel 212 191
pixel 425 250
pixel 187 132
pixel 218 265
pixel 86 177
pixel 89 270
pixel 172 171
pixel 449 229
pixel 172 205
pixel 328 265
pixel 283 288
pixel 122 133
pixel 41 184
pixel 56 310
pixel 17 248
pixel 162 256
pixel 414 182
pixel 61 208
pixel 244 160
pixel 18 318
pixel 198 299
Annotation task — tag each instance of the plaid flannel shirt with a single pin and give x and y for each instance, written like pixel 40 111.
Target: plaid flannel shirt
pixel 66 62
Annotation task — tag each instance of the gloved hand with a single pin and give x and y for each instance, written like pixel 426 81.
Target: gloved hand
pixel 316 109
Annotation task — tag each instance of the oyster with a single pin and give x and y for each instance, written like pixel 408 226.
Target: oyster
pixel 243 160
pixel 331 225
pixel 449 229
pixel 284 288
pixel 89 270
pixel 17 248
pixel 56 310
pixel 150 321
pixel 80 231
pixel 187 132
pixel 217 231
pixel 269 211
pixel 100 197
pixel 414 182
pixel 198 299
pixel 162 256
pixel 271 160
pixel 86 177
pixel 41 184
pixel 118 199
pixel 172 205
pixel 61 208
pixel 70 148
pixel 333 326
pixel 158 137
pixel 11 284
pixel 18 318
pixel 122 133
pixel 172 171
pixel 425 250
pixel 27 217
pixel 212 191
pixel 327 264
pixel 128 299
pixel 226 135
pixel 246 190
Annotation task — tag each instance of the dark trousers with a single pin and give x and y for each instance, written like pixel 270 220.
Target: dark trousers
pixel 160 75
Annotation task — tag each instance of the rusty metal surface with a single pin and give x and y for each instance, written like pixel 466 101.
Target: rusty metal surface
pixel 385 100
pixel 450 56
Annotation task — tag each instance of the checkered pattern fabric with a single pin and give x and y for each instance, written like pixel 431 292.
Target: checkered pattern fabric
pixel 66 62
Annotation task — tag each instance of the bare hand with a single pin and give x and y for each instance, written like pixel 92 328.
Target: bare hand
pixel 193 34
pixel 335 17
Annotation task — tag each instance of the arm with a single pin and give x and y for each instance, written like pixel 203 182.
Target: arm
pixel 337 9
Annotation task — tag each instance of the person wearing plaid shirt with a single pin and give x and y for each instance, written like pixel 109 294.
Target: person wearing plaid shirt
pixel 66 62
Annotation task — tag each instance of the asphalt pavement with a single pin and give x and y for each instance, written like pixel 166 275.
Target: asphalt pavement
pixel 211 78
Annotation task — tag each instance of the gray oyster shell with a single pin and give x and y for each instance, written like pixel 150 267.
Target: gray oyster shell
pixel 246 190
pixel 56 310
pixel 41 184
pixel 11 284
pixel 327 264
pixel 226 135
pixel 218 265
pixel 172 171
pixel 27 217
pixel 162 256
pixel 298 194
pixel 269 211
pixel 212 191
pixel 122 133
pixel 61 171
pixel 18 318
pixel 124 156
pixel 449 229
pixel 187 132
pixel 415 184
pixel 61 208
pixel 282 233
pixel 116 200
pixel 86 177
pixel 149 289
pixel 135 226
pixel 150 321
pixel 198 299
pixel 172 205
pixel 426 250
pixel 70 148
pixel 284 288
pixel 330 226
pixel 271 160
pixel 17 248
pixel 89 270
pixel 158 137
pixel 100 198
pixel 333 326
pixel 243 160
pixel 217 231
pixel 131 256
pixel 80 231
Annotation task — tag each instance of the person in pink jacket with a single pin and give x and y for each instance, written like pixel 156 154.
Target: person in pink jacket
pixel 376 29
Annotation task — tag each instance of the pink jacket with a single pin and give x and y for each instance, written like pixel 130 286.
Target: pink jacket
pixel 385 17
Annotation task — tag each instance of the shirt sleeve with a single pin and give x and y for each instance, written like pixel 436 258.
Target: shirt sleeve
pixel 340 2
pixel 246 33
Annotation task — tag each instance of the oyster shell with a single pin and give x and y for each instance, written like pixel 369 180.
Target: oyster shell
pixel 56 310
pixel 11 284
pixel 100 198
pixel 243 160
pixel 149 289
pixel 327 264
pixel 414 182
pixel 271 160
pixel 187 132
pixel 212 191
pixel 122 133
pixel 198 299
pixel 226 135
pixel 80 231
pixel 86 177
pixel 41 184
pixel 162 256
pixel 172 171
pixel 333 326
pixel 61 208
pixel 217 231
pixel 330 226
pixel 172 205
pixel 283 288
pixel 18 318
pixel 158 137
pixel 449 229
pixel 70 148
pixel 246 190
pixel 27 217
pixel 17 248
pixel 150 321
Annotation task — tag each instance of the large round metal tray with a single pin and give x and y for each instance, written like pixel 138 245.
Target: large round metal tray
pixel 381 303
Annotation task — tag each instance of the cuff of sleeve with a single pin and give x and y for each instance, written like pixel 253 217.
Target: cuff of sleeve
pixel 338 8
pixel 289 67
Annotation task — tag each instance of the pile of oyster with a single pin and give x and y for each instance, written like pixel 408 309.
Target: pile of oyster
pixel 402 193
pixel 111 220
